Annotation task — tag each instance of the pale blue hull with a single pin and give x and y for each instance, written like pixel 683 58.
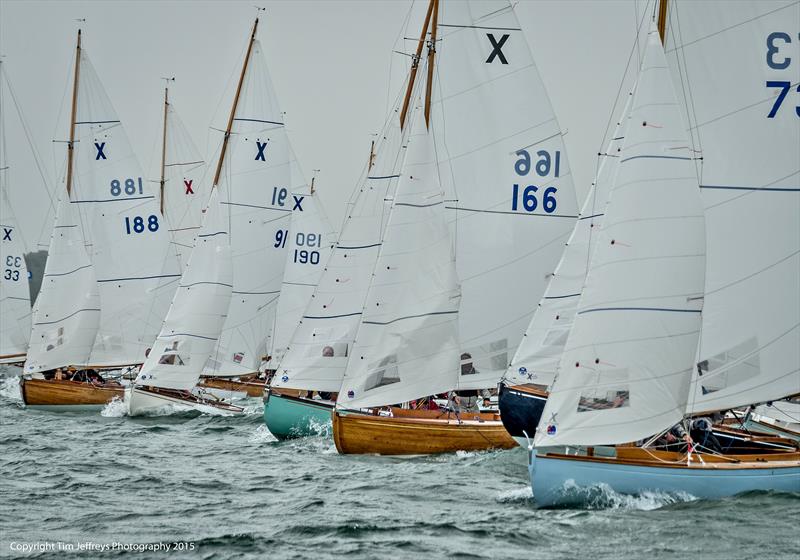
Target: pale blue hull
pixel 559 481
pixel 288 417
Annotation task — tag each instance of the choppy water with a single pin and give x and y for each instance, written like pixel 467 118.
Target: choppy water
pixel 226 486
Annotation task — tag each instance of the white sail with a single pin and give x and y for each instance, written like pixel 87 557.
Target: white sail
pixel 256 193
pixel 136 269
pixel 311 238
pixel 739 68
pixel 66 316
pixel 332 316
pixel 537 357
pixel 198 311
pixel 626 367
pixel 15 298
pixel 185 194
pixel 407 342
pixel 504 168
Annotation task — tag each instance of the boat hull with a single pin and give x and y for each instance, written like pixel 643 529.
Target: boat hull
pixel 521 408
pixel 141 401
pixel 63 395
pixel 291 417
pixel 410 434
pixel 251 388
pixel 564 480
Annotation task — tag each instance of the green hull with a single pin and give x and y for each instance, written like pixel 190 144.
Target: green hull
pixel 289 417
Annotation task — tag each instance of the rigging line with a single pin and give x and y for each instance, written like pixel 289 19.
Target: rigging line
pixel 697 145
pixel 622 81
pixel 36 158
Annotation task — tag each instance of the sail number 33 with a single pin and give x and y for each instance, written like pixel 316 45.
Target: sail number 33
pixel 778 60
pixel 528 198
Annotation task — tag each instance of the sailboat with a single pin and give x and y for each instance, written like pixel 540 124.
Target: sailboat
pixel 505 238
pixel 15 299
pixel 318 350
pixel 110 274
pixel 225 296
pixel 254 177
pixel 665 296
pixel 523 391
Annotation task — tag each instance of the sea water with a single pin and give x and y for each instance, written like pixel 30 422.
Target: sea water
pixel 189 485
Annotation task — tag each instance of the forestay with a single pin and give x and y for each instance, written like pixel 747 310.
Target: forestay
pixel 136 269
pixel 185 192
pixel 198 311
pixel 66 316
pixel 407 342
pixel 537 357
pixel 738 67
pixel 505 171
pixel 625 371
pixel 322 342
pixel 311 238
pixel 255 192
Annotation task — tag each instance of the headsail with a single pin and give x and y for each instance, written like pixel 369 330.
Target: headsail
pixel 198 310
pixel 738 68
pixel 537 357
pixel 67 312
pixel 332 316
pixel 407 342
pixel 504 168
pixel 625 371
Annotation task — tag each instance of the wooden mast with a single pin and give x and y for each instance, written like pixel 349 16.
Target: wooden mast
pixel 662 19
pixel 431 57
pixel 235 103
pixel 164 147
pixel 415 64
pixel 71 143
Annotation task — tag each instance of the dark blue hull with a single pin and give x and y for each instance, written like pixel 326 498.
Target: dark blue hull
pixel 520 410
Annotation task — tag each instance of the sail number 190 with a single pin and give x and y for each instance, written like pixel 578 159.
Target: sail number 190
pixel 526 198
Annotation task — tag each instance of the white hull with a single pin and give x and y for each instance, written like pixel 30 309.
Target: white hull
pixel 140 402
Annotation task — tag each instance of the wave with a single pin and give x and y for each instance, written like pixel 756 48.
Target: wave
pixel 114 409
pixel 9 388
pixel 602 496
pixel 514 495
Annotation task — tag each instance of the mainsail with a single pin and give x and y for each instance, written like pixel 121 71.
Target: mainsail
pixel 407 342
pixel 136 269
pixel 505 171
pixel 184 194
pixel 15 299
pixel 625 371
pixel 255 191
pixel 739 68
pixel 311 239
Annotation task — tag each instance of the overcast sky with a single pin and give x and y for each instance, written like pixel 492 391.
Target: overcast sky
pixel 331 62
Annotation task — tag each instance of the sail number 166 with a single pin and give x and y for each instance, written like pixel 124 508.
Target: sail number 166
pixel 527 198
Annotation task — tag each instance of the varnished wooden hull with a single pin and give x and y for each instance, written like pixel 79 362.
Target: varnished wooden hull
pixel 416 434
pixel 252 388
pixel 68 395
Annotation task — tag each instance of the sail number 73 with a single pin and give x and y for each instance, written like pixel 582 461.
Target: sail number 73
pixel 527 198
pixel 777 59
